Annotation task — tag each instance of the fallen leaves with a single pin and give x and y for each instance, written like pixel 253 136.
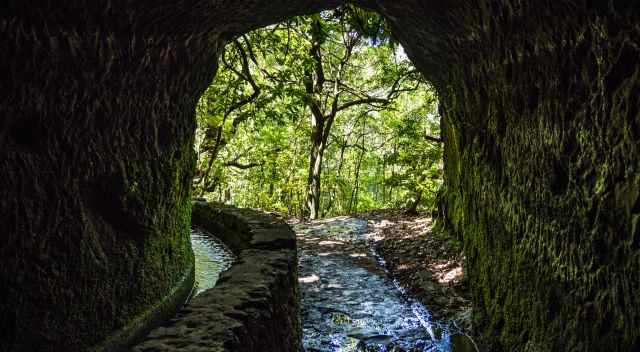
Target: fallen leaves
pixel 423 262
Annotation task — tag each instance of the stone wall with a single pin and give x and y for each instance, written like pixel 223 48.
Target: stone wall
pixel 254 307
pixel 97 119
pixel 541 121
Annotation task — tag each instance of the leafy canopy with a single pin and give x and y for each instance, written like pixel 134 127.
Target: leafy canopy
pixel 253 138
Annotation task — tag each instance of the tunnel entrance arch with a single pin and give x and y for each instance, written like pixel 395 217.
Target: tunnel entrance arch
pixel 542 143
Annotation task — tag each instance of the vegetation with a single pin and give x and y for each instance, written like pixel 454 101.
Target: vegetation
pixel 318 116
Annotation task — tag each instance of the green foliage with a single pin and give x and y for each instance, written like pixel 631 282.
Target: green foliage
pixel 253 138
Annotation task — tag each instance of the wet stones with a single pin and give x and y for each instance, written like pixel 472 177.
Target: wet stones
pixel 349 302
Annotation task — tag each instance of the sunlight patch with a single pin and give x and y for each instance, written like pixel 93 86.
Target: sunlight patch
pixel 309 279
pixel 450 276
pixel 330 243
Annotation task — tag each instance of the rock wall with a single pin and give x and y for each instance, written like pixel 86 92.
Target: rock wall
pixel 539 101
pixel 542 163
pixel 96 158
pixel 254 306
pixel 95 171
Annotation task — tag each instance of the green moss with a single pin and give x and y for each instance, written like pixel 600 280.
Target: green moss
pixel 539 186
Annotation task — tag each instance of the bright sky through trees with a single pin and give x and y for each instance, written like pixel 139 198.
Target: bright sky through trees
pixel 317 116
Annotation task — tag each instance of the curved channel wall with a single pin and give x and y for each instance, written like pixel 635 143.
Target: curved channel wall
pixel 255 304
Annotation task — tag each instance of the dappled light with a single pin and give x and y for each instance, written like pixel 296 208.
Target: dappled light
pixel 330 243
pixel 455 172
pixel 405 266
pixel 452 275
pixel 309 279
pixel 348 301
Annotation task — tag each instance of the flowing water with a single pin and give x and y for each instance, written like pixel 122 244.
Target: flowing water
pixel 348 301
pixel 211 258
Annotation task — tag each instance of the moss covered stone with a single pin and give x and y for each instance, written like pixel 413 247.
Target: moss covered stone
pixel 541 124
pixel 542 129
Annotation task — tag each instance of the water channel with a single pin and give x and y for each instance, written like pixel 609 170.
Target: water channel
pixel 211 258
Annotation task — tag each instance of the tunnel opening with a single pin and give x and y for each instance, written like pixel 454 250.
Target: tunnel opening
pixel 93 91
pixel 335 90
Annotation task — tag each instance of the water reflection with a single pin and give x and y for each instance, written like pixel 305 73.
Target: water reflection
pixel 211 258
pixel 350 306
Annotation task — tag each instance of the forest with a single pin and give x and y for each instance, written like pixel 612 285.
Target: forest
pixel 320 175
pixel 319 116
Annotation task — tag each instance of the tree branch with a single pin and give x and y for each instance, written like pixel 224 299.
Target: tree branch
pixel 241 166
pixel 316 53
pixel 246 75
pixel 433 139
pixel 369 100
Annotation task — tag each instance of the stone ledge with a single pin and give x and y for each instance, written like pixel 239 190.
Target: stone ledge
pixel 255 304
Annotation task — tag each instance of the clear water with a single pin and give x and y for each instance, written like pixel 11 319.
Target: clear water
pixel 211 258
pixel 349 304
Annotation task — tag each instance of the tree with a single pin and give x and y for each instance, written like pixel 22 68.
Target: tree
pixel 333 87
pixel 216 113
pixel 333 84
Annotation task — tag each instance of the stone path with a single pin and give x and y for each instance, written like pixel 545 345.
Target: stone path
pixel 348 301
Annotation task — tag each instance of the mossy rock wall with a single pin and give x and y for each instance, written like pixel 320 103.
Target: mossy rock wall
pixel 540 103
pixel 255 304
pixel 97 120
pixel 540 109
pixel 95 171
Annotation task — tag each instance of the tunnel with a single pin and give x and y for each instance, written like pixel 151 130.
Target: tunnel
pixel 541 124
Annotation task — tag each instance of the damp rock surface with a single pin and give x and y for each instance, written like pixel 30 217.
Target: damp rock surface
pixel 348 301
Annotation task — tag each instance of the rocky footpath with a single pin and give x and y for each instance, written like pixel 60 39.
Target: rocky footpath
pixel 428 265
pixel 350 303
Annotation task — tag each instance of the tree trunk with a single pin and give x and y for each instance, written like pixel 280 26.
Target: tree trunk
pixel 315 167
pixel 413 209
pixel 272 180
pixel 334 192
pixel 354 195
pixel 384 177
